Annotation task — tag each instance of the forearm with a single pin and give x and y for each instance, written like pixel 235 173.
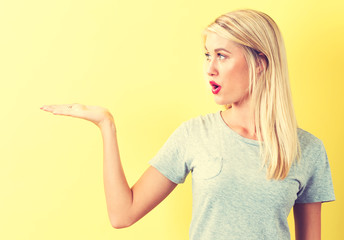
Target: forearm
pixel 117 191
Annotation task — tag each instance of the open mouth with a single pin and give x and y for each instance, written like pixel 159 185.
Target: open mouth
pixel 215 87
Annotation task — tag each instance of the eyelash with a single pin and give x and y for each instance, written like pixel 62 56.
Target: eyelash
pixel 219 55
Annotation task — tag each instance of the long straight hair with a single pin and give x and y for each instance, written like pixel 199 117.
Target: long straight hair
pixel 275 120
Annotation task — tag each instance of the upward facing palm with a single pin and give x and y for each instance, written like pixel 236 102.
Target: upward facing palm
pixel 93 114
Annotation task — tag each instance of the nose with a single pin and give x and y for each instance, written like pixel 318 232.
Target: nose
pixel 211 68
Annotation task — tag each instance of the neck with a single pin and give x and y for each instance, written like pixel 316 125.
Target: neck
pixel 240 118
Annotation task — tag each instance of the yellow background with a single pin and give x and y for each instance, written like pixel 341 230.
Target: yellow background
pixel 143 61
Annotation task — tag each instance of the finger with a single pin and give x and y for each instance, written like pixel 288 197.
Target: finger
pixel 48 108
pixel 58 109
pixel 73 110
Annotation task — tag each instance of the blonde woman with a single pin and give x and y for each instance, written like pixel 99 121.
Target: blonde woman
pixel 250 163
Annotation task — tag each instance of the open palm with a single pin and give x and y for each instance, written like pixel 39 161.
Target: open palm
pixel 94 114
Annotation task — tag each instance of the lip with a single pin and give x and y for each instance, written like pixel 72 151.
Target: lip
pixel 215 87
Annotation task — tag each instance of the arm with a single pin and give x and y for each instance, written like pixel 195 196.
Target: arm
pixel 307 218
pixel 125 205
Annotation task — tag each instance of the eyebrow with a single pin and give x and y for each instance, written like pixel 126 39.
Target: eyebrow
pixel 218 49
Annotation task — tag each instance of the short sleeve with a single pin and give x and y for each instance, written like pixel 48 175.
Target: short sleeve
pixel 319 186
pixel 170 159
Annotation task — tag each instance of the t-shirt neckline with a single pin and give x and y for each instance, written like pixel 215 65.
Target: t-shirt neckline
pixel 234 133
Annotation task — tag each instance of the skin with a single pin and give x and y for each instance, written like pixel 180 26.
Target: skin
pixel 125 205
pixel 307 217
pixel 226 65
pixel 228 68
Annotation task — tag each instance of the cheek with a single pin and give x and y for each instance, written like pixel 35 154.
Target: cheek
pixel 243 74
pixel 237 75
pixel 245 77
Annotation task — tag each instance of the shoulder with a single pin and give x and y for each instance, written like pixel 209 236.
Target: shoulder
pixel 203 120
pixel 313 170
pixel 196 126
pixel 202 123
pixel 312 147
pixel 307 139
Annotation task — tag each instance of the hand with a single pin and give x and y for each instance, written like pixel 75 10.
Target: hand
pixel 95 114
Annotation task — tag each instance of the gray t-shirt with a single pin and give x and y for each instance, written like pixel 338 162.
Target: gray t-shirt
pixel 232 198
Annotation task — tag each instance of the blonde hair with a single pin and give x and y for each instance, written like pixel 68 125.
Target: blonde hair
pixel 275 121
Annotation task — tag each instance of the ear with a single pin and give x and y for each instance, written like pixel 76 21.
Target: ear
pixel 262 63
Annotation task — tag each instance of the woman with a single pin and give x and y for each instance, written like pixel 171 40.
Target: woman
pixel 250 164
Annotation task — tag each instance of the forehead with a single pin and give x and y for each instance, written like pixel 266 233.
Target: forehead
pixel 214 41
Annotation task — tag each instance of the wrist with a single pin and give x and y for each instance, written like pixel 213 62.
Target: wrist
pixel 107 122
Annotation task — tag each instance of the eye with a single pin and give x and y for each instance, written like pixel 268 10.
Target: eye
pixel 207 56
pixel 221 56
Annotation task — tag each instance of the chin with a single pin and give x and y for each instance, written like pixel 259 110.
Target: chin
pixel 223 102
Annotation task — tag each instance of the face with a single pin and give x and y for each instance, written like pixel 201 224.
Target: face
pixel 226 70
